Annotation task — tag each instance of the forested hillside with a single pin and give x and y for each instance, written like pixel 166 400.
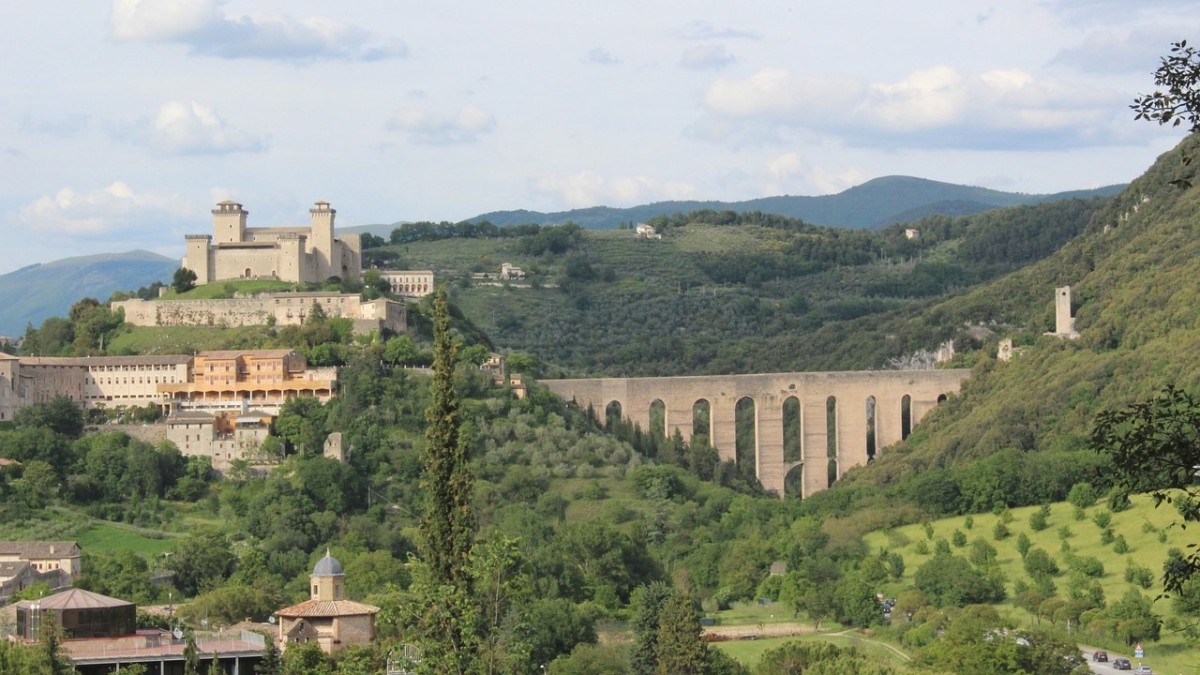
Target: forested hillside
pixel 1134 275
pixel 724 292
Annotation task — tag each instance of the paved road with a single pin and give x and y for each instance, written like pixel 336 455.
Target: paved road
pixel 1106 668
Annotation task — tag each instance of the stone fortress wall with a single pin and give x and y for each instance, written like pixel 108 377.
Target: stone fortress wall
pixel 901 399
pixel 287 309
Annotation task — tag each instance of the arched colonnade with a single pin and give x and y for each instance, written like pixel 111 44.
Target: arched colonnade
pixel 801 430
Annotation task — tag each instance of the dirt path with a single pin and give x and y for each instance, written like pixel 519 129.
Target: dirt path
pixel 760 630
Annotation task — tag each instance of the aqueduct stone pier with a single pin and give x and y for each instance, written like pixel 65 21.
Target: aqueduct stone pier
pixel 808 428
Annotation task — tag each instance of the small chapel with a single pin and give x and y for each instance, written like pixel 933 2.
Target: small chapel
pixel 327 617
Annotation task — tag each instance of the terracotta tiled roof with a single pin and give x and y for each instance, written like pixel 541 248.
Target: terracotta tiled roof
pixel 252 353
pixel 190 417
pixel 39 549
pixel 151 360
pixel 327 608
pixel 9 570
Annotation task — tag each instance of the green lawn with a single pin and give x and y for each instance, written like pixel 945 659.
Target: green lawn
pixel 748 652
pixel 226 289
pixel 184 339
pixel 107 538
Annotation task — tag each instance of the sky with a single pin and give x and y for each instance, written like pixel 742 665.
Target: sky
pixel 123 123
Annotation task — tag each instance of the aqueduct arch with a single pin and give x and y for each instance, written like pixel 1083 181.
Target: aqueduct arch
pixel 900 399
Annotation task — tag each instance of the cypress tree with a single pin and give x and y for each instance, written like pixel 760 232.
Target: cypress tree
pixel 448 528
pixel 449 619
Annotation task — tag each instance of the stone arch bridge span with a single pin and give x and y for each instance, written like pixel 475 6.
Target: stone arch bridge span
pixel 808 428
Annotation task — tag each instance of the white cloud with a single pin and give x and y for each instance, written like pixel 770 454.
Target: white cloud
pixel 703 30
pixel 192 129
pixel 427 128
pixel 829 182
pixel 780 93
pixel 706 57
pixel 790 174
pixel 934 107
pixel 206 29
pixel 588 188
pixel 162 20
pixel 114 209
pixel 600 57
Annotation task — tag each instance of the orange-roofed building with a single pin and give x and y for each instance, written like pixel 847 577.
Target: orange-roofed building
pixel 327 617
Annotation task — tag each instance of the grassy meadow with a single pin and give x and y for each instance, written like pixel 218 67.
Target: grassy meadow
pixel 1147 531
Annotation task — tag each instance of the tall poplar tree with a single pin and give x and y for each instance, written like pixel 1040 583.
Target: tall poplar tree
pixel 447 530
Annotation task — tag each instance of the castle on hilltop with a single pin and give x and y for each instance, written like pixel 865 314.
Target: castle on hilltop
pixel 297 254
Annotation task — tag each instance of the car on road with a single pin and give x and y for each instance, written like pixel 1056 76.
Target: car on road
pixel 1100 656
pixel 1121 664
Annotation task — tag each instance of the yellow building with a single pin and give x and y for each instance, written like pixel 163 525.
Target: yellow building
pixel 263 378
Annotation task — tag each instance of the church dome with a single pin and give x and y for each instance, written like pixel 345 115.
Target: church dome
pixel 327 567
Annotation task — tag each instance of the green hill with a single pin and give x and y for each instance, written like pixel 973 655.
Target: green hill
pixel 32 294
pixel 727 293
pixel 1133 272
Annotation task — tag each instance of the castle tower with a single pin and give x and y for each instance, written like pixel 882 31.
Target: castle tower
pixel 328 581
pixel 1064 323
pixel 197 258
pixel 229 222
pixel 321 241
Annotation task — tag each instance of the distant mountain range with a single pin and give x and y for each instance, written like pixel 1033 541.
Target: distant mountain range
pixel 32 294
pixel 874 204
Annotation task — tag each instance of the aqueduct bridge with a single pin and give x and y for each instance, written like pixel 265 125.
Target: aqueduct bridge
pixel 808 428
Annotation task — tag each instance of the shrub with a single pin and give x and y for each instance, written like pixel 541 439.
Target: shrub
pixel 1082 495
pixel 1000 531
pixel 968 522
pixel 1106 536
pixel 1023 545
pixel 958 538
pixel 1120 545
pixel 1087 566
pixel 1137 574
pixel 1039 520
pixel 982 553
pixel 1039 563
pixel 1102 519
